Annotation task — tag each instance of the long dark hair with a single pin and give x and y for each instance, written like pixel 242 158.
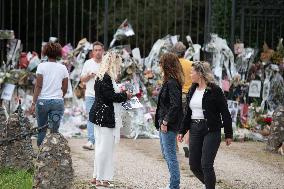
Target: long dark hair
pixel 172 67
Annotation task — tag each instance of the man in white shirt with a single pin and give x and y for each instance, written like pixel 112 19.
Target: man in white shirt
pixel 89 71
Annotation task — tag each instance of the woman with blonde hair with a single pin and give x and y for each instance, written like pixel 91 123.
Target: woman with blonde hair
pixel 105 114
pixel 169 113
pixel 206 113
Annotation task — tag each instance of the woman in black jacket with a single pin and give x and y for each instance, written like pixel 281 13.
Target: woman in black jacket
pixel 206 113
pixel 169 113
pixel 105 114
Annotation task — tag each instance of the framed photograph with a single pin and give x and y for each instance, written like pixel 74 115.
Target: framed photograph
pixel 233 107
pixel 254 88
pixel 133 103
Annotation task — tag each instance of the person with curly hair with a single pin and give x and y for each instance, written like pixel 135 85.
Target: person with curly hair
pixel 106 116
pixel 50 88
pixel 169 113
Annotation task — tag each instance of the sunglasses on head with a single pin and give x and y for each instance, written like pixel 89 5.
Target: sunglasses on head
pixel 199 66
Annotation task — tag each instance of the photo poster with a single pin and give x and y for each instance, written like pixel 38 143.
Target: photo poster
pixel 233 107
pixel 244 108
pixel 133 103
pixel 131 86
pixel 8 91
pixel 254 88
pixel 226 85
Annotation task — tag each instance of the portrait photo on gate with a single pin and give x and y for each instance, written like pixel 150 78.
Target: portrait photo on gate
pixel 254 88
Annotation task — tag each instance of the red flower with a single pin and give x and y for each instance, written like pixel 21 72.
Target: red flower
pixel 140 94
pixel 268 120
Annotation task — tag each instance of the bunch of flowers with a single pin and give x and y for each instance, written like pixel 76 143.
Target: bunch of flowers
pixel 263 120
pixel 258 118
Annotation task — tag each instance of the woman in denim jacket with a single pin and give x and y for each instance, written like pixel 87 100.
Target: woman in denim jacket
pixel 169 113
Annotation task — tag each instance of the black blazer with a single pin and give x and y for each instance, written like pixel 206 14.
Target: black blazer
pixel 102 111
pixel 169 107
pixel 215 110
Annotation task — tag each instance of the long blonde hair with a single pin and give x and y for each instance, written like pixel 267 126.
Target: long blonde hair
pixel 111 63
pixel 204 69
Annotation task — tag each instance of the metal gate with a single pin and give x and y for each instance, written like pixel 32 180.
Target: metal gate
pixel 35 21
pixel 251 21
pixel 258 21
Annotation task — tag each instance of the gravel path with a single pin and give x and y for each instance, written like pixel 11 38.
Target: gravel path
pixel 249 166
pixel 139 164
pixel 143 166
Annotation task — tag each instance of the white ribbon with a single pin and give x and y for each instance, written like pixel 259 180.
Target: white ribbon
pixel 117 114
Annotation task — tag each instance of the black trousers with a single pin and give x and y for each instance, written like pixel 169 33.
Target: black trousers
pixel 203 148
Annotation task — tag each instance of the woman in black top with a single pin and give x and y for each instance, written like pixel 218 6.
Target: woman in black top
pixel 105 114
pixel 169 113
pixel 206 113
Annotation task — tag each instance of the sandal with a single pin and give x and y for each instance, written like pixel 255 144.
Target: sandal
pixel 104 183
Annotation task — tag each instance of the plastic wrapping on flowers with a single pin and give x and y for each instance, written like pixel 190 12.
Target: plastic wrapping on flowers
pixel 137 122
pixel 75 119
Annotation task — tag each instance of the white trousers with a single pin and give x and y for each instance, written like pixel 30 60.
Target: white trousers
pixel 104 148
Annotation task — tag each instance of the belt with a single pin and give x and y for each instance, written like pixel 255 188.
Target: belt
pixel 197 120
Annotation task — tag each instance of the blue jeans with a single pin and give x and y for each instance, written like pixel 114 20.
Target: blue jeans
pixel 48 111
pixel 168 147
pixel 89 100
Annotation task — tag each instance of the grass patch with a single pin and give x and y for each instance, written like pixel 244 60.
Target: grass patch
pixel 15 179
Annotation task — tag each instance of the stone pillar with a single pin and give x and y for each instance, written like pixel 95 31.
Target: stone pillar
pixel 276 137
pixel 54 164
pixel 3 118
pixel 17 154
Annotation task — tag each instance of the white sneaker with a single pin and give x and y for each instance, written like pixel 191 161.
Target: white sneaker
pixel 89 146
